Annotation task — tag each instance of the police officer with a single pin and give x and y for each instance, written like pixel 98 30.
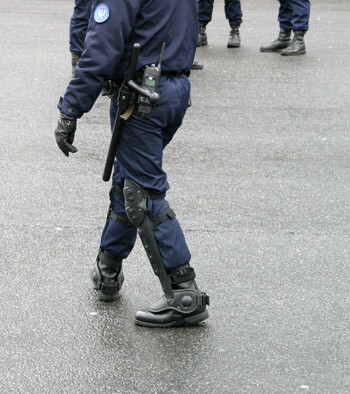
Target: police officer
pixel 293 15
pixel 78 28
pixel 233 13
pixel 137 196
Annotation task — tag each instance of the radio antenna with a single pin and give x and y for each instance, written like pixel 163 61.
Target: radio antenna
pixel 161 56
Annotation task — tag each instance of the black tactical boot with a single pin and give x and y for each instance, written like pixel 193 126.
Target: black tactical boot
pixel 107 276
pixel 283 41
pixel 188 306
pixel 75 60
pixel 298 45
pixel 234 40
pixel 202 36
pixel 197 65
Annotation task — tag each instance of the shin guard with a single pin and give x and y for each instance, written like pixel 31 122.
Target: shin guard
pixel 136 209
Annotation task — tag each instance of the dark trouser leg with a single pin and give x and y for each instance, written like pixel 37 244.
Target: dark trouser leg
pixel 300 24
pixel 233 12
pixel 293 15
pixel 283 39
pixel 234 15
pixel 205 12
pixel 140 160
pixel 285 15
pixel 139 164
pixel 77 31
pixel 117 241
pixel 300 15
pixel 118 236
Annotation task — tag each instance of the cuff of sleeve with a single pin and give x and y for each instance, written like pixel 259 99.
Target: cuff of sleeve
pixel 66 108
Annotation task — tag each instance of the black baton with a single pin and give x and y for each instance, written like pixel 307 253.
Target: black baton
pixel 118 123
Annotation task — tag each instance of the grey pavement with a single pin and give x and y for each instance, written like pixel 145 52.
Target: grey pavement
pixel 259 176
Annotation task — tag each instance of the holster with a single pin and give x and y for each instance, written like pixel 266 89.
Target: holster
pixel 126 99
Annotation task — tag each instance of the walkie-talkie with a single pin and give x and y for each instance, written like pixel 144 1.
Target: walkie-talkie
pixel 150 82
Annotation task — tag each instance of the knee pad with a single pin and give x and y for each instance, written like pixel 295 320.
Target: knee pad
pixel 135 202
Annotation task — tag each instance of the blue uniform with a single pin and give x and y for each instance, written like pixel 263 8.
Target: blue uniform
pixel 79 25
pixel 233 11
pixel 139 156
pixel 294 14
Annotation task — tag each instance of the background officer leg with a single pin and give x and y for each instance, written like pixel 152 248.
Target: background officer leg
pixel 197 65
pixel 117 241
pixel 283 39
pixel 300 24
pixel 205 12
pixel 234 15
pixel 78 28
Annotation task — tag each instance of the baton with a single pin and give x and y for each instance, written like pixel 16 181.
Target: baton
pixel 119 119
pixel 118 123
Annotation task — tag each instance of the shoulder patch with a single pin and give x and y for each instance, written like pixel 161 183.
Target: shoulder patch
pixel 101 13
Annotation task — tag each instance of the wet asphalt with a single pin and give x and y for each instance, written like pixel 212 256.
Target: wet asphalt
pixel 259 176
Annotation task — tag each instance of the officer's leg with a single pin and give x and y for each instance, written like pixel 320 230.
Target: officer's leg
pixel 234 15
pixel 117 241
pixel 300 25
pixel 205 12
pixel 140 155
pixel 283 39
pixel 182 302
pixel 78 27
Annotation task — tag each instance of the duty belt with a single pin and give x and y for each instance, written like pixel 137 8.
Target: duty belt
pixel 156 221
pixel 150 194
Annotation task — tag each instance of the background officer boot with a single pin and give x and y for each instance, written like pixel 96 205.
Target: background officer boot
pixel 234 40
pixel 283 41
pixel 202 36
pixel 188 306
pixel 197 65
pixel 107 276
pixel 75 60
pixel 298 45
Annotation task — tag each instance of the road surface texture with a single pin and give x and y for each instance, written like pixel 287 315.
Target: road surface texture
pixel 259 176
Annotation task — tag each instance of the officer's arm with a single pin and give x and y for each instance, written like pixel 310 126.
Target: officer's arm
pixel 104 48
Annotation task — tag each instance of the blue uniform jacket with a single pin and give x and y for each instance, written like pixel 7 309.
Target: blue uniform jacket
pixel 108 45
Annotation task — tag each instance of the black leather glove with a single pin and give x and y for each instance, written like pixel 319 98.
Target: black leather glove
pixel 64 134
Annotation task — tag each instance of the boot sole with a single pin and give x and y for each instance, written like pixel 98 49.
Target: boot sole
pixel 197 68
pixel 272 50
pixel 294 54
pixel 188 321
pixel 201 44
pixel 276 49
pixel 233 45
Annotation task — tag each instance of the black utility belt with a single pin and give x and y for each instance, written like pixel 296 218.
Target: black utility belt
pixel 176 74
pixel 138 77
pixel 147 192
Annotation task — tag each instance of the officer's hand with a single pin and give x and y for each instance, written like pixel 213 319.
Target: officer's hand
pixel 64 134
